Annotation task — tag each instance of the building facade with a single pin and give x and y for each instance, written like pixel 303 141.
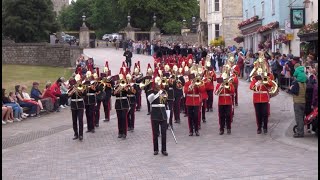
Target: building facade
pixel 223 17
pixel 203 23
pixel 214 19
pixel 266 24
pixel 59 4
pixel 231 17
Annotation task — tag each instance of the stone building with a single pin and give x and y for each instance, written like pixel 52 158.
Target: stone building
pixel 223 17
pixel 203 23
pixel 59 4
pixel 231 17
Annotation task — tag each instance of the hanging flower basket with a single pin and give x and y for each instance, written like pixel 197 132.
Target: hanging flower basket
pixel 239 39
pixel 248 21
pixel 267 44
pixel 282 39
pixel 268 27
pixel 261 45
pixel 309 28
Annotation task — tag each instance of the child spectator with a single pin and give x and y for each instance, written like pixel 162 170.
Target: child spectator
pixel 7 114
pixel 17 112
pixel 26 98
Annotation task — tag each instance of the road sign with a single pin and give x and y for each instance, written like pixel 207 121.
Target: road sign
pixel 290 37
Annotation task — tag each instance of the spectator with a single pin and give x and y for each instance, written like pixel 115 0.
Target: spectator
pixel 13 99
pixel 34 110
pixel 128 56
pixel 290 55
pixel 26 98
pixel 64 93
pixel 249 66
pixel 240 63
pixel 17 110
pixel 311 83
pixel 7 114
pixel 47 93
pixel 298 91
pixel 38 96
pixel 276 69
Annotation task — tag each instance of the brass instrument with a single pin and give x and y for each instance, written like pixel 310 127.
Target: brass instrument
pixel 274 90
pixel 77 88
pixel 196 83
pixel 164 82
pixel 225 84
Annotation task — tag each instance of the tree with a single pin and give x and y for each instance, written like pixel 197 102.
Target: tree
pixel 28 21
pixel 70 17
pixel 107 16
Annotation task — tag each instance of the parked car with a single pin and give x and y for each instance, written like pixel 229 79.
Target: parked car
pixel 107 37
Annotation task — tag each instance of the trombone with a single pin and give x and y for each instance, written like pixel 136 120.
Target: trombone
pixel 225 84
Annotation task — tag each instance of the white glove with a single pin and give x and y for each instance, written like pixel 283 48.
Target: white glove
pixel 161 91
pixel 257 83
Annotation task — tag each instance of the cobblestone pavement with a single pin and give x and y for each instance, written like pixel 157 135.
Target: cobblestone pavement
pixel 42 148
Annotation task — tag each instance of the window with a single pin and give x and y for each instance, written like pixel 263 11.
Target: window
pixel 210 6
pixel 262 9
pixel 273 8
pixel 216 5
pixel 254 10
pixel 247 16
pixel 217 30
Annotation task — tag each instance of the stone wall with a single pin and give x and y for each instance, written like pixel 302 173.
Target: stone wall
pixel 42 54
pixel 187 38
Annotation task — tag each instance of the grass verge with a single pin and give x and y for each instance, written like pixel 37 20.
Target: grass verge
pixel 26 74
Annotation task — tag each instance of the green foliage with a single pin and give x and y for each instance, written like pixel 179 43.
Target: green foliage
pixel 28 21
pixel 172 27
pixel 107 16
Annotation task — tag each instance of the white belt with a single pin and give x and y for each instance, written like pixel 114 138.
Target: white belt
pixel 225 95
pixel 170 88
pixel 76 100
pixel 260 92
pixel 91 94
pixel 158 105
pixel 121 97
pixel 131 95
pixel 193 95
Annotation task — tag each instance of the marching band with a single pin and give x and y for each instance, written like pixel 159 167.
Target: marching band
pixel 176 82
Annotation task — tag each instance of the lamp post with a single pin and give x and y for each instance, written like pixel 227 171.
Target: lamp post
pixel 154 20
pixel 83 20
pixel 194 24
pixel 129 18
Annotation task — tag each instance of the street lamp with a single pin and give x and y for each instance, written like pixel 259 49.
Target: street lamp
pixel 129 18
pixel 307 3
pixel 83 17
pixel 193 19
pixel 154 20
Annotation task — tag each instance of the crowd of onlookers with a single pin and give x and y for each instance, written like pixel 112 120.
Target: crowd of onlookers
pixel 24 103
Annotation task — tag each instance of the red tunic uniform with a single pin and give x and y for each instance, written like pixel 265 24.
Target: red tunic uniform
pixel 193 97
pixel 260 92
pixel 225 97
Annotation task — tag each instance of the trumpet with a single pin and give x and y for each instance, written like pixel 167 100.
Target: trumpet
pixel 77 88
pixel 195 83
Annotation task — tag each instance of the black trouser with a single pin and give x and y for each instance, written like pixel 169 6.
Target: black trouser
pixel 122 121
pixel 97 111
pixel 106 107
pixel 235 95
pixel 138 97
pixel 203 108
pixel 170 104
pixel 77 115
pixel 261 115
pixel 148 103
pixel 63 99
pixel 131 115
pixel 225 116
pixel 155 132
pixel 193 118
pixel 176 108
pixel 128 62
pixel 90 116
pixel 182 105
pixel 210 99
